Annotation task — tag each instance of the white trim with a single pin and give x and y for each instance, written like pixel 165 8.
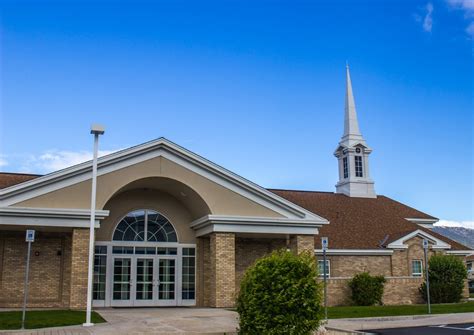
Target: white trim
pixel 348 252
pixel 425 223
pixel 257 225
pixel 160 147
pixel 400 243
pixel 461 252
pixel 416 220
pixel 49 217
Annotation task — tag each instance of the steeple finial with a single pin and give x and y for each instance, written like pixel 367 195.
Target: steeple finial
pixel 351 124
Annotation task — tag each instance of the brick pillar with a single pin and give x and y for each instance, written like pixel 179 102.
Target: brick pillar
pixel 302 243
pixel 222 274
pixel 79 268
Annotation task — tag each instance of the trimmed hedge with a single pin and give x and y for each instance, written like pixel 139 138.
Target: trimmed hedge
pixel 279 294
pixel 447 274
pixel 367 290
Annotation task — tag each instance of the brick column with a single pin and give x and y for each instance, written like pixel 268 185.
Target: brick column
pixel 222 274
pixel 302 243
pixel 79 268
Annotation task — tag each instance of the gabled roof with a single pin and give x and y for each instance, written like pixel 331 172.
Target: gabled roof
pixel 160 147
pixel 361 223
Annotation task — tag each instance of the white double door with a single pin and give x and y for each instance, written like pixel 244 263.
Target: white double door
pixel 144 280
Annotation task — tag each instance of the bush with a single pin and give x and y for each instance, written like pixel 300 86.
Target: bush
pixel 279 294
pixel 367 290
pixel 447 274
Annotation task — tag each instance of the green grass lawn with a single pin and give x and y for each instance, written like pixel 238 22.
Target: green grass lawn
pixel 46 318
pixel 371 311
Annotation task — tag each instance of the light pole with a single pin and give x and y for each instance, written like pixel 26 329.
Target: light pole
pixel 96 130
pixel 425 251
pixel 324 244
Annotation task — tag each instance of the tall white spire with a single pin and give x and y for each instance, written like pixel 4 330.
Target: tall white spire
pixel 353 153
pixel 351 124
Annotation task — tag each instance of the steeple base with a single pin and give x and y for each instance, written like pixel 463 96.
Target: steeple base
pixel 357 189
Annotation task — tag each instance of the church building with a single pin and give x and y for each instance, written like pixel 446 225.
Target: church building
pixel 175 229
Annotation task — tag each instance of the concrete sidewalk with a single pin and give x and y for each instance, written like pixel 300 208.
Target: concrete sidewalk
pixel 160 321
pixel 400 321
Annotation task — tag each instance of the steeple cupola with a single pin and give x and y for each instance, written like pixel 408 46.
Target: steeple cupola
pixel 353 153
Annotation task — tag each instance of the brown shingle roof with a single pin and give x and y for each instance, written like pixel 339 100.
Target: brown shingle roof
pixel 360 223
pixel 9 179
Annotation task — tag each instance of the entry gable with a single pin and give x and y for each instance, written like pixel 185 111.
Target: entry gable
pixel 161 148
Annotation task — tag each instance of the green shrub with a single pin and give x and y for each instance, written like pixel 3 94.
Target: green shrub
pixel 367 290
pixel 447 274
pixel 279 294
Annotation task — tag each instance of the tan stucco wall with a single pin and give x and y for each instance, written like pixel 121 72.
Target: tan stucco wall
pixel 162 202
pixel 219 199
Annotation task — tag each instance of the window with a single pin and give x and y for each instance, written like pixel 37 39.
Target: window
pixel 470 267
pixel 321 268
pixel 188 274
pixel 345 167
pixel 100 267
pixel 416 268
pixel 141 224
pixel 358 166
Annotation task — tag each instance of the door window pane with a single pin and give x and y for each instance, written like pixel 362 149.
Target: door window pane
pixel 188 288
pixel 100 267
pixel 121 286
pixel 144 279
pixel 166 288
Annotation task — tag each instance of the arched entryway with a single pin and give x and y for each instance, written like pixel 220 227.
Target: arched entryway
pixel 145 253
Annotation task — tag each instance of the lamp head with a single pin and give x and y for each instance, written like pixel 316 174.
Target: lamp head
pixel 97 129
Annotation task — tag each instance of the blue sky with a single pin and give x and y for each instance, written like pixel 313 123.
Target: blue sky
pixel 255 86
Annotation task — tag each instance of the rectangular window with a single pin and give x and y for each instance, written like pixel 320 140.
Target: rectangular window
pixel 100 267
pixel 188 273
pixel 416 268
pixel 345 167
pixel 358 166
pixel 321 268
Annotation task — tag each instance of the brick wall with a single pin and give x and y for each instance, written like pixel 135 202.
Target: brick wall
pixel 397 291
pixel 79 268
pixel 49 269
pixel 348 266
pixel 222 274
pixel 302 243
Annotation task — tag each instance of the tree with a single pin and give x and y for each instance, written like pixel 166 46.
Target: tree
pixel 279 294
pixel 447 274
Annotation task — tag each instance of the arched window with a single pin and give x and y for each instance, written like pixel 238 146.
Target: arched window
pixel 145 222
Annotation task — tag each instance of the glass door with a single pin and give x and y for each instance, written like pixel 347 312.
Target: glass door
pixel 167 282
pixel 144 282
pixel 122 281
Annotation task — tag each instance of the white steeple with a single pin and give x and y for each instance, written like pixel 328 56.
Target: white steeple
pixel 353 153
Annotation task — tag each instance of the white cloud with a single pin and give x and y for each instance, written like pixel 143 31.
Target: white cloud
pixel 467 6
pixel 450 223
pixel 470 29
pixel 428 20
pixel 53 160
pixel 3 161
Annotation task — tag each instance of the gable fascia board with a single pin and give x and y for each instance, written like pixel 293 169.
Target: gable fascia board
pixel 461 252
pixel 160 147
pixel 256 225
pixel 400 243
pixel 49 217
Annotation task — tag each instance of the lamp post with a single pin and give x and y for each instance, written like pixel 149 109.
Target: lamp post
pixel 425 251
pixel 324 244
pixel 96 130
